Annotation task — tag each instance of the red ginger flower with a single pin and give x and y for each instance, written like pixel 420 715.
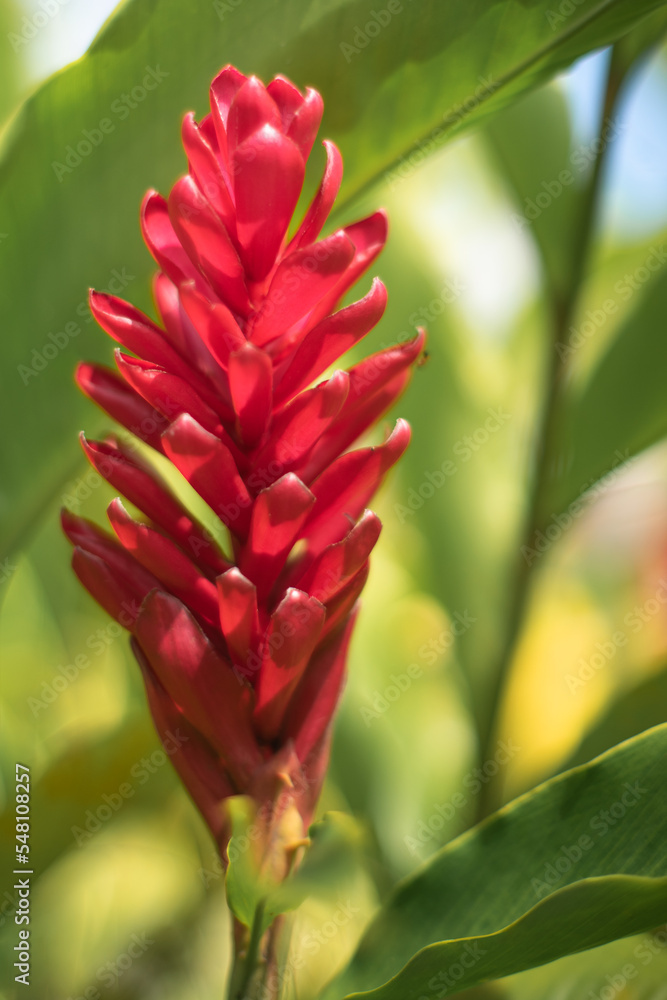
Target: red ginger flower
pixel 244 656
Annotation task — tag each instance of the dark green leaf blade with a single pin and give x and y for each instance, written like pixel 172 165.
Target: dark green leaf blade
pixel 633 904
pixel 575 863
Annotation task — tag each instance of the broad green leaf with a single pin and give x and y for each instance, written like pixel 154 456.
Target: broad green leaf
pixel 11 64
pixel 84 150
pixel 620 409
pixel 533 145
pixel 575 863
pixel 639 42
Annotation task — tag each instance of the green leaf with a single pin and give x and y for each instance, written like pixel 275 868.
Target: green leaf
pixel 11 65
pixel 639 958
pixel 545 176
pixel 84 150
pixel 620 409
pixel 247 882
pixel 254 875
pixel 639 43
pixel 575 863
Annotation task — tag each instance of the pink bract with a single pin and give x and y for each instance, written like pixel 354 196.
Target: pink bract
pixel 243 652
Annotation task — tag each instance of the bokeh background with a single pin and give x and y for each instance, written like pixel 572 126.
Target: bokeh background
pixel 462 259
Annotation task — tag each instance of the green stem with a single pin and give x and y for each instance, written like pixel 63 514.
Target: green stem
pixel 247 958
pixel 563 309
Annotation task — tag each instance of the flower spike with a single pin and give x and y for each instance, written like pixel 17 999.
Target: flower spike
pixel 241 633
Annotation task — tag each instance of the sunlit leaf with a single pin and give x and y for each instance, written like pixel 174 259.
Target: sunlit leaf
pixel 571 865
pixel 546 177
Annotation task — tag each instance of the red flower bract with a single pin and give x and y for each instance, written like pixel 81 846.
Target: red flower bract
pixel 243 654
